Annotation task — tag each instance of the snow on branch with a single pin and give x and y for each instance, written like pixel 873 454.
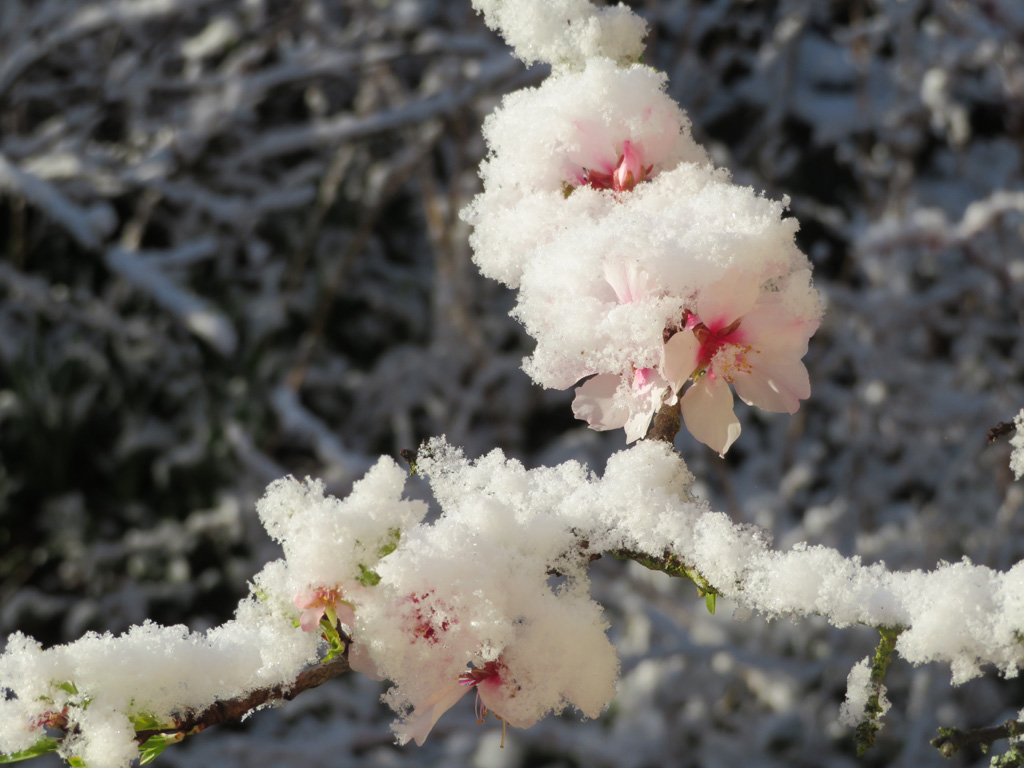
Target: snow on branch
pixel 464 602
pixel 88 227
pixel 87 20
pixel 200 317
pixel 351 127
pixel 1017 441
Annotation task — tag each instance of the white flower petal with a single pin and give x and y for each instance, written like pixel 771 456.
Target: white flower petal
pixel 774 385
pixel 594 403
pixel 775 330
pixel 708 415
pixel 637 424
pixel 629 281
pixel 418 725
pixel 679 357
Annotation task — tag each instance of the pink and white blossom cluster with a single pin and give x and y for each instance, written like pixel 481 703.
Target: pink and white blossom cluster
pixel 459 606
pixel 462 605
pixel 636 262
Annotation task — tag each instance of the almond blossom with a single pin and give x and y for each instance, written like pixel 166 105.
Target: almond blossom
pixel 492 689
pixel 743 336
pixel 595 402
pixel 598 401
pixel 318 602
pixel 603 128
pixel 628 171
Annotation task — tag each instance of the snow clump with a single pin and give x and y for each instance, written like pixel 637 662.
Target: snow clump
pixel 565 33
pixel 1017 441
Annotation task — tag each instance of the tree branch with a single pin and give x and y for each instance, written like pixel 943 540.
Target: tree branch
pixel 874 710
pixel 1002 429
pixel 666 425
pixel 672 565
pixel 952 740
pixel 239 707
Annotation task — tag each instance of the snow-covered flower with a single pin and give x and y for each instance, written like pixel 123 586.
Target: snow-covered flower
pixel 620 176
pixel 598 400
pixel 317 602
pixel 742 335
pixel 603 129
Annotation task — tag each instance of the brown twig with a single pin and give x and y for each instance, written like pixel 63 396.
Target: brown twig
pixel 1002 429
pixel 666 425
pixel 952 740
pixel 235 709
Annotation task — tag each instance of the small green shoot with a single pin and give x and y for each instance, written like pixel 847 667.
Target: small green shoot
pixel 44 746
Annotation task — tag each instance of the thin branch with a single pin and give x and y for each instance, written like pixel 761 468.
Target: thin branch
pixel 874 708
pixel 346 127
pixel 87 20
pixel 193 722
pixel 952 740
pixel 237 708
pixel 670 564
pixel 1002 429
pixel 198 315
pixel 88 227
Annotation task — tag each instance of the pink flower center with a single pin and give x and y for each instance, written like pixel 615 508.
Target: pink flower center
pixel 489 673
pixel 628 172
pixel 426 625
pixel 642 379
pixel 321 597
pixel 722 352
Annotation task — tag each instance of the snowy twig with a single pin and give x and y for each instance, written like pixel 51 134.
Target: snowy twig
pixel 671 565
pixel 350 128
pixel 398 171
pixel 342 464
pixel 875 707
pixel 87 21
pixel 87 227
pixel 200 317
pixel 237 708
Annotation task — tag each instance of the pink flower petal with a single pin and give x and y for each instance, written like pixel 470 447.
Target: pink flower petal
pixel 707 412
pixel 720 303
pixel 418 725
pixel 310 619
pixel 492 693
pixel 630 170
pixel 595 151
pixel 346 613
pixel 637 424
pixel 775 330
pixel 594 403
pixel 305 598
pixel 360 660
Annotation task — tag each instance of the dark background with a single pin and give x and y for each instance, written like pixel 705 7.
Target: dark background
pixel 230 250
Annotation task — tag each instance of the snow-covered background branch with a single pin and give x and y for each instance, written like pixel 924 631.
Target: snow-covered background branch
pixel 230 250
